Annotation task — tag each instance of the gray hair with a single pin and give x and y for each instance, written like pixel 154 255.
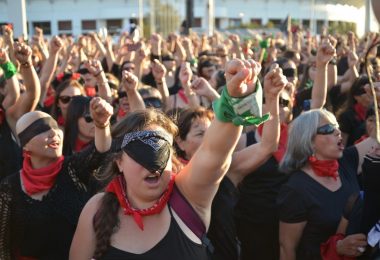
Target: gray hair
pixel 301 136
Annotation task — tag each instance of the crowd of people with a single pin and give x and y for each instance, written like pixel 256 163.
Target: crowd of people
pixel 189 147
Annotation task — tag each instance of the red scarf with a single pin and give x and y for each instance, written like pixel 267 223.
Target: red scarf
pixel 37 180
pixel 118 186
pixel 121 113
pixel 182 95
pixel 279 154
pixel 324 168
pixel 79 145
pixel 61 120
pixel 360 111
pixel 90 91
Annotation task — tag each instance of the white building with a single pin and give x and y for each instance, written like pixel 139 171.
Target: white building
pixel 80 16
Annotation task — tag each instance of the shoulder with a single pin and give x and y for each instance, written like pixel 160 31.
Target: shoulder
pixel 93 205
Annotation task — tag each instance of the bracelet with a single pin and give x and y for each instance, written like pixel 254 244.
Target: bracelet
pixel 9 69
pixel 102 126
pixel 243 111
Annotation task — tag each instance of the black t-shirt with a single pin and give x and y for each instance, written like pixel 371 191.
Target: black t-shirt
pixel 350 124
pixel 259 190
pixel 10 152
pixel 304 199
pixel 44 229
pixel 371 184
pixel 222 231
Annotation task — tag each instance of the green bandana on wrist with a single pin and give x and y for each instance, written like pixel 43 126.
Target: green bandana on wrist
pixel 241 111
pixel 9 69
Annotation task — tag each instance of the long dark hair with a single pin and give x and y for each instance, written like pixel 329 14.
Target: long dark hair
pixel 61 87
pixel 78 107
pixel 355 90
pixel 106 220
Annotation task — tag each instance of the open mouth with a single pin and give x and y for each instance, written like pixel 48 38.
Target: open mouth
pixel 152 179
pixel 53 145
pixel 341 145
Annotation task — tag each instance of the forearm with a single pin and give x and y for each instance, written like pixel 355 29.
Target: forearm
pixel 47 74
pixel 332 75
pixel 104 89
pixel 191 96
pixel 271 129
pixel 136 102
pixel 33 88
pixel 103 138
pixel 13 92
pixel 319 91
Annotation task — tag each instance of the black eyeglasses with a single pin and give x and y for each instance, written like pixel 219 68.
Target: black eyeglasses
pixel 283 102
pixel 122 94
pixel 88 118
pixel 289 73
pixel 65 99
pixel 327 129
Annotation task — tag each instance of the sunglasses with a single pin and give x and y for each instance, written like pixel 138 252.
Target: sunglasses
pixel 289 73
pixel 326 129
pixel 153 102
pixel 88 118
pixel 283 102
pixel 129 69
pixel 122 94
pixel 65 99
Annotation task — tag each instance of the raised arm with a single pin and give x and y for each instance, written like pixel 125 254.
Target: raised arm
pixel 12 87
pixel 319 92
pixel 200 179
pixel 101 111
pixel 159 72
pixel 250 158
pixel 50 66
pixel 96 69
pixel 185 76
pixel 29 99
pixel 130 83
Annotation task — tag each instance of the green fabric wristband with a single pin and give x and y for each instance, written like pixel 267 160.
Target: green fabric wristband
pixel 9 69
pixel 241 111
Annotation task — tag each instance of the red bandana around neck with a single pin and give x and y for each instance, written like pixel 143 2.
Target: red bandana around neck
pixel 118 187
pixel 80 145
pixel 279 154
pixel 324 168
pixel 121 112
pixel 61 120
pixel 37 180
pixel 360 111
pixel 90 91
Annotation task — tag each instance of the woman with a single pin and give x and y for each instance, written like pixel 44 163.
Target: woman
pixel 106 230
pixel 352 116
pixel 63 94
pixel 79 129
pixel 40 206
pixel 323 177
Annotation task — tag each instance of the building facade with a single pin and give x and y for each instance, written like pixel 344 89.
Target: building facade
pixel 80 16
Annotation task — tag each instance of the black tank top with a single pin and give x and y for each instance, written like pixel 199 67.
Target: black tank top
pixel 175 245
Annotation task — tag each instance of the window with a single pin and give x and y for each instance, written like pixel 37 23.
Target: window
pixel 45 26
pixel 114 25
pixel 256 21
pixel 65 26
pixel 197 22
pixel 88 25
pixel 235 22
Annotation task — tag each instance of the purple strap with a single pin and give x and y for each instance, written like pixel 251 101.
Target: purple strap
pixel 186 213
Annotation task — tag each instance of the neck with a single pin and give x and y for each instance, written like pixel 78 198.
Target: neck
pixel 38 163
pixel 84 139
